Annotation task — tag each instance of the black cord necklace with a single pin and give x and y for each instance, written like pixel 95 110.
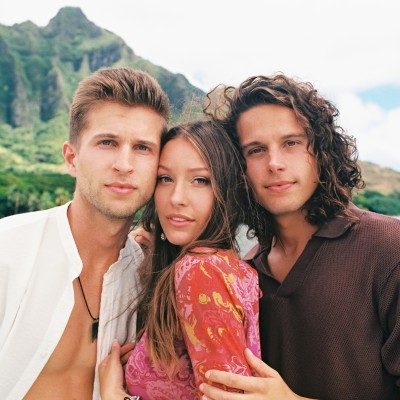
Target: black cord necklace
pixel 95 324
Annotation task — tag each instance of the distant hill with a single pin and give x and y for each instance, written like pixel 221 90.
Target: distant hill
pixel 382 191
pixel 379 179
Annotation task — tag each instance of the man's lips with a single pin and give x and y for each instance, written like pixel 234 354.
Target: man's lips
pixel 279 186
pixel 121 188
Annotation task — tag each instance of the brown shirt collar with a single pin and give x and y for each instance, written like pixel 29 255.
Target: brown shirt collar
pixel 329 230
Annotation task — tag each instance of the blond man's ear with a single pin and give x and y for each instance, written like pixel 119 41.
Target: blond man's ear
pixel 70 153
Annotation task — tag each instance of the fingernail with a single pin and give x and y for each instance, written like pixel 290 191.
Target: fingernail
pixel 207 374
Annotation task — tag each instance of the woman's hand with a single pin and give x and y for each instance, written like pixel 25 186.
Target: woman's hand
pixel 125 352
pixel 111 375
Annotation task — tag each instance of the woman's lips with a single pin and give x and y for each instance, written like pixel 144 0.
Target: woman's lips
pixel 179 220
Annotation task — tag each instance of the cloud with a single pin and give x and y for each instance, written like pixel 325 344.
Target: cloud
pixel 375 129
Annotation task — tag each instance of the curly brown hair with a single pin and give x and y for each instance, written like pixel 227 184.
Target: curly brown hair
pixel 335 151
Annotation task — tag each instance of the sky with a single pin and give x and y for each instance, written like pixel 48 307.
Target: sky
pixel 348 49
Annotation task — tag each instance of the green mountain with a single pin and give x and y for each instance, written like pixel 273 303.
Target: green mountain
pixel 39 71
pixel 41 67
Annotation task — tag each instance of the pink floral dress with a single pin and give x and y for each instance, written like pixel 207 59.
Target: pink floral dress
pixel 217 300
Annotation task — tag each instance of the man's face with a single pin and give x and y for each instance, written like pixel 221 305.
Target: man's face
pixel 115 159
pixel 281 171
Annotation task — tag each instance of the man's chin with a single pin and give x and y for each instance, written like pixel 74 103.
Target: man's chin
pixel 120 215
pixel 117 213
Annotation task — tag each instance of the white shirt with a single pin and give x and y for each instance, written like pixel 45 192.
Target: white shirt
pixel 38 263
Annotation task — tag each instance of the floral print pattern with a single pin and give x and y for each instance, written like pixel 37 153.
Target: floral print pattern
pixel 217 300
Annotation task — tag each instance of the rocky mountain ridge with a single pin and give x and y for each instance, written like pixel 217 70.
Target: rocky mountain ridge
pixel 41 67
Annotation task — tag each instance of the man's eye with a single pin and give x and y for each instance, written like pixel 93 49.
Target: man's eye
pixel 142 147
pixel 255 151
pixel 106 142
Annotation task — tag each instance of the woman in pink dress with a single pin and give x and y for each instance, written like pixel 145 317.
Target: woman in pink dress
pixel 199 308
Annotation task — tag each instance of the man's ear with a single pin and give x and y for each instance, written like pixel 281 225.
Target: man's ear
pixel 70 153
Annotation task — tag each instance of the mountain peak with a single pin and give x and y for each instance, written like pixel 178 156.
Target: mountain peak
pixel 71 22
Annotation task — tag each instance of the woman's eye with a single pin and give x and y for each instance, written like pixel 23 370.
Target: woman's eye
pixel 164 179
pixel 202 180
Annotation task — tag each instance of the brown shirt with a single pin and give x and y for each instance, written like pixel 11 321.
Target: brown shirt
pixel 332 327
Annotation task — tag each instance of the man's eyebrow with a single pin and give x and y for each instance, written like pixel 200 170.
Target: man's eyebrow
pixel 104 135
pixel 110 135
pixel 295 135
pixel 299 135
pixel 146 142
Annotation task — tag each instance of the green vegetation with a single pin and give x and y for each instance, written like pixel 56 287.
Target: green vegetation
pixel 378 202
pixel 23 192
pixel 23 147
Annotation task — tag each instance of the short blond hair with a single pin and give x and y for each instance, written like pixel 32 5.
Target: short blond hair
pixel 125 86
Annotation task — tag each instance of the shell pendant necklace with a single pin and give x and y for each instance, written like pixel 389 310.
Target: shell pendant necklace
pixel 95 323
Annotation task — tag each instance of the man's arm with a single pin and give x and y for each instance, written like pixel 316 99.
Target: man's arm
pixel 269 385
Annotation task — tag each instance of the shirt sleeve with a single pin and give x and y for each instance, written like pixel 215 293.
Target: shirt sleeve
pixel 211 305
pixel 389 311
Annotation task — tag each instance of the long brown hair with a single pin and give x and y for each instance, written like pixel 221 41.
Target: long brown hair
pixel 335 151
pixel 157 308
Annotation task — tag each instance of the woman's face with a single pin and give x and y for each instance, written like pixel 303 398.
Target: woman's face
pixel 183 197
